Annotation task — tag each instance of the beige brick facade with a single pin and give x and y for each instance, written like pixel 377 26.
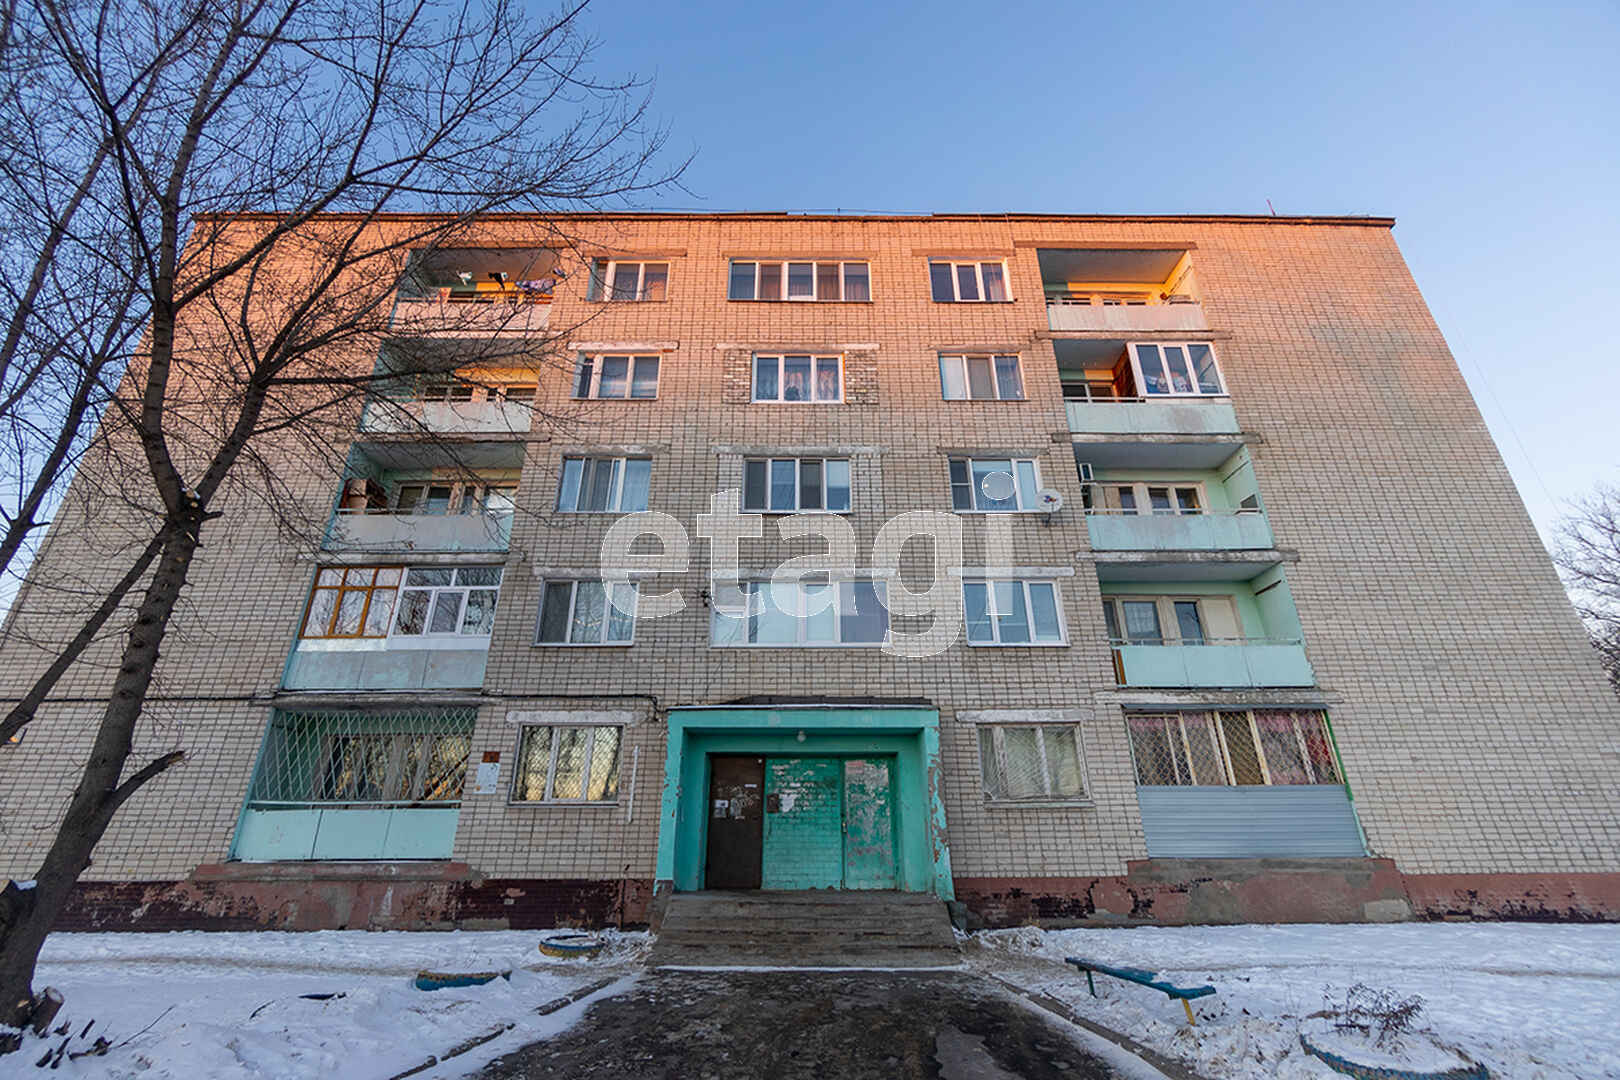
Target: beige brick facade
pixel 1475 729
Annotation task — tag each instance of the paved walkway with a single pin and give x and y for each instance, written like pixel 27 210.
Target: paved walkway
pixel 730 1025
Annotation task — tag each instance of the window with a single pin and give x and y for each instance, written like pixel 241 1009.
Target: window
pixel 567 765
pixel 1012 612
pixel 1177 370
pixel 994 485
pixel 799 614
pixel 981 378
pixel 583 613
pixel 604 485
pixel 1151 498
pixel 968 282
pixel 450 390
pixel 1172 620
pixel 444 600
pixel 612 280
pixel 616 377
pixel 515 392
pixel 1038 763
pixel 753 280
pixel 795 485
pixel 351 602
pixel 454 497
pixel 1233 747
pixel 818 379
pixel 392 768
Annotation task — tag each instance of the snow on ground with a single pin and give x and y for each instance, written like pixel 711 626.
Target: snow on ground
pixel 226 1005
pixel 1530 1001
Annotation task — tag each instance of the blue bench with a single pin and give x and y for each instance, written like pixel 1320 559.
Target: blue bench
pixel 1143 978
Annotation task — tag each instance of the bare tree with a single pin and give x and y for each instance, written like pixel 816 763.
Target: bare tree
pixel 202 251
pixel 1589 558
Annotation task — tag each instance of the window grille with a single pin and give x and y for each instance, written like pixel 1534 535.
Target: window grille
pixel 379 759
pixel 1233 747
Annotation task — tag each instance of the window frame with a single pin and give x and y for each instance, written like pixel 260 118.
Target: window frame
pixel 997 731
pixel 548 786
pixel 1179 748
pixel 995 376
pixel 621 474
pixel 1169 623
pixel 798 485
pixel 573 599
pixel 428 635
pixel 397 752
pixel 465 496
pixel 781 380
pixel 604 271
pixel 588 368
pixel 801 618
pixel 978 277
pixel 1144 503
pixel 1133 349
pixel 815 296
pixel 977 492
pixel 371 589
pixel 995 642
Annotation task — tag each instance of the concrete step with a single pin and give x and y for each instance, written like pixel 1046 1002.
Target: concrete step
pixel 806 929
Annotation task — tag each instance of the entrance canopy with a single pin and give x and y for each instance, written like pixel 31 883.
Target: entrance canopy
pixel 905 738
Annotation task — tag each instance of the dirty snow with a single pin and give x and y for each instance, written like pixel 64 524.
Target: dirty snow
pixel 1530 1001
pixel 227 1005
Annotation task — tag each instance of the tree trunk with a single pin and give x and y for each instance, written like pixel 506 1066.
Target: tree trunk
pixel 100 792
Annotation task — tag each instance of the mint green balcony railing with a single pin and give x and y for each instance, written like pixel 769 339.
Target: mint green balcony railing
pixel 385 531
pixel 1153 416
pixel 1219 662
pixel 1210 530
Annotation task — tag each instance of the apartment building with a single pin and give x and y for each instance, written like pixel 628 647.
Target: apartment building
pixel 1247 620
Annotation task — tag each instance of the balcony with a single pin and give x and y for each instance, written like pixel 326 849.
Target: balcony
pixel 490 416
pixel 384 530
pixel 1083 311
pixel 1209 530
pixel 1237 663
pixel 448 317
pixel 326 664
pixel 1197 416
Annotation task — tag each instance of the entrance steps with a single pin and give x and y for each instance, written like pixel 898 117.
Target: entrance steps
pixel 818 928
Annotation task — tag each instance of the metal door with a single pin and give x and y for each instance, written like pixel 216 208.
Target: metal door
pixel 736 822
pixel 868 825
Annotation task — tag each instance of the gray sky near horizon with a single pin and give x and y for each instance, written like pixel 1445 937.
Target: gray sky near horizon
pixel 1491 132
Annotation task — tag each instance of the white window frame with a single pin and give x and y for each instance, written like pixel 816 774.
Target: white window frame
pixel 815 280
pixel 998 761
pixel 750 589
pixel 1027 501
pixel 798 466
pixel 466 497
pixel 960 361
pixel 395 634
pixel 616 498
pixel 1185 346
pixel 609 270
pixel 573 599
pixel 781 381
pixel 594 362
pixel 978 277
pixel 546 796
pixel 995 641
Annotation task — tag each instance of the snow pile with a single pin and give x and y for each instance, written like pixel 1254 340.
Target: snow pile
pixel 226 1005
pixel 1530 1001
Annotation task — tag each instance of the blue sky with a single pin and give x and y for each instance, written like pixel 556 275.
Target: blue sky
pixel 1491 132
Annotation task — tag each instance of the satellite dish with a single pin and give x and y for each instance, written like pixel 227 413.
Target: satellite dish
pixel 1049 500
pixel 998 486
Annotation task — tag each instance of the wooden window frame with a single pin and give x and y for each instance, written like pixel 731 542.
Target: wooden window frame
pixel 371 589
pixel 1169 627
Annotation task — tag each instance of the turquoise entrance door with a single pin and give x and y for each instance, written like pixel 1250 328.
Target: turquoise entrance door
pixel 829 824
pixel 868 825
